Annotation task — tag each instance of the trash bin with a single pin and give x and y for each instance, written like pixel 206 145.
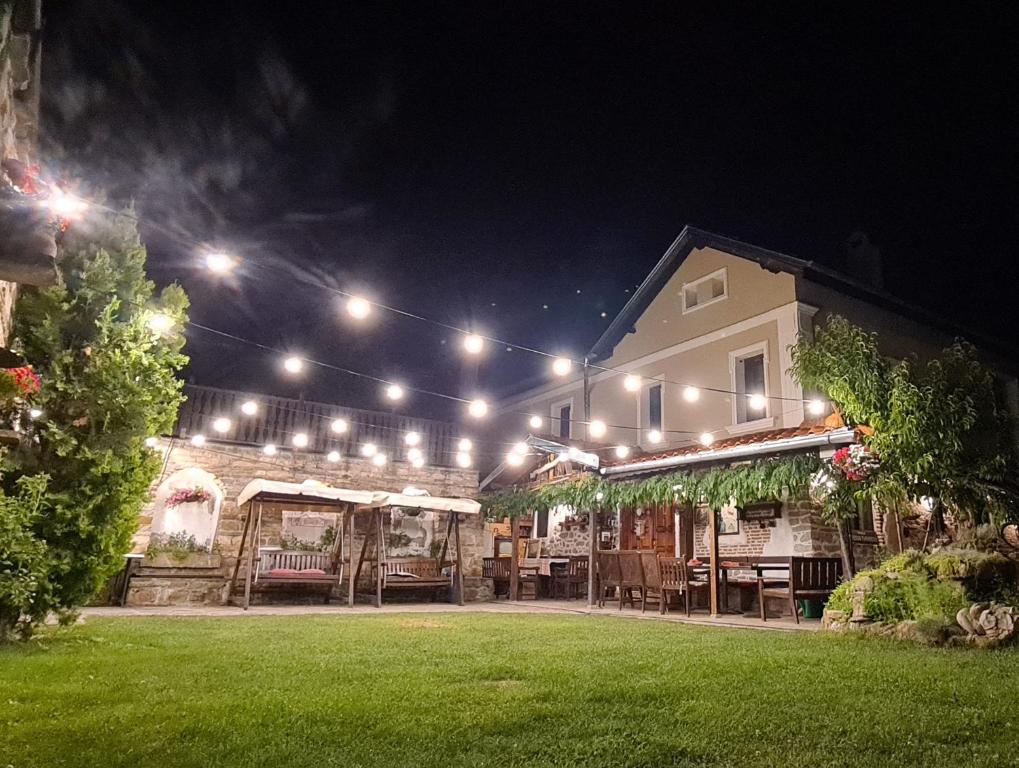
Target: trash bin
pixel 812 609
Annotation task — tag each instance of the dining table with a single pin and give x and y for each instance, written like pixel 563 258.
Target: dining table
pixel 744 571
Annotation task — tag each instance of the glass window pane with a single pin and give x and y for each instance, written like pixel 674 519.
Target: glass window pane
pixel 654 395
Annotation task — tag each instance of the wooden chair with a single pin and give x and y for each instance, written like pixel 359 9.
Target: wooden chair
pixel 631 576
pixel 810 578
pixel 608 575
pixel 570 577
pixel 652 580
pixel 675 578
pixel 498 570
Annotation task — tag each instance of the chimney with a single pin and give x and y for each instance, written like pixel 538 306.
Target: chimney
pixel 863 260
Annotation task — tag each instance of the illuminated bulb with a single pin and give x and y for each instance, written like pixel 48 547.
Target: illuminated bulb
pixel 339 426
pixel 35 413
pixel 293 364
pixel 691 394
pixel 219 263
pixel 757 401
pixel 300 440
pixel 622 451
pixel 379 459
pixel 654 436
pixel 198 441
pixel 535 422
pixel 514 459
pixel 369 449
pixel 520 448
pixel 160 323
pixel 473 344
pixel 707 439
pixel 464 445
pixel 417 462
pixel 561 366
pixel 394 392
pixel 477 408
pixel 221 425
pixel 412 438
pixel 250 408
pixel 64 205
pixel 333 456
pixel 815 407
pixel 631 383
pixel 151 442
pixel 596 428
pixel 599 496
pixel 269 449
pixel 463 460
pixel 358 308
pixel 414 453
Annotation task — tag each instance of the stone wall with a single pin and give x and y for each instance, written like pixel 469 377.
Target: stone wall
pixel 233 467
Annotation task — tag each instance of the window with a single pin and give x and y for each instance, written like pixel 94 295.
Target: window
pixel 749 376
pixel 541 523
pixel 563 412
pixel 654 407
pixel 864 520
pixel 706 290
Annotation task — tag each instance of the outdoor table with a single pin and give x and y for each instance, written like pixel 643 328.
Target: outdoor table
pixel 757 568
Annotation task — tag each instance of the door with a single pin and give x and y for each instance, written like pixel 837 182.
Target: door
pixel 653 530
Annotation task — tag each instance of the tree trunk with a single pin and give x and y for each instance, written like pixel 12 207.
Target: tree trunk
pixel 846 544
pixel 892 530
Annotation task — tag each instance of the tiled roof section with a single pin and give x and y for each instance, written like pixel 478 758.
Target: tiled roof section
pixel 751 438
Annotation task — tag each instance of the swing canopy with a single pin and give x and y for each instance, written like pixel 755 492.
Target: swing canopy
pixel 267 490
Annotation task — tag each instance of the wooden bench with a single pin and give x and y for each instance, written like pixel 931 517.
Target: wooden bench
pixel 297 568
pixel 414 573
pixel 810 578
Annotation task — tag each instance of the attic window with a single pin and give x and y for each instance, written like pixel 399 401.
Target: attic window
pixel 706 290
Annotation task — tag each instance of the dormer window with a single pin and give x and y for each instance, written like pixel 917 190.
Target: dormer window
pixel 705 290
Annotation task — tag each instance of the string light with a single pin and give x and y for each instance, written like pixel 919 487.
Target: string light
pixel 151 442
pixel 815 407
pixel 293 364
pixel 369 449
pixel 379 459
pixel 599 496
pixel 477 408
pixel 654 436
pixel 417 462
pixel 473 343
pixel 631 383
pixel 622 451
pixel 219 263
pixel 757 401
pixel 35 413
pixel 221 425
pixel 535 422
pixel 412 438
pixel 339 426
pixel 414 453
pixel 300 440
pixel 596 428
pixel 64 205
pixel 249 408
pixel 707 439
pixel 358 308
pixel 269 449
pixel 463 460
pixel 561 366
pixel 160 323
pixel 198 441
pixel 333 456
pixel 394 392
pixel 464 445
pixel 520 448
pixel 514 459
pixel 691 394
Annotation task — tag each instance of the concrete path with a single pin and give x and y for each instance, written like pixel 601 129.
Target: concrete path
pixel 529 607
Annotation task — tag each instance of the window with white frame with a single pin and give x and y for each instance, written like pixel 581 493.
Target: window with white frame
pixel 654 407
pixel 562 412
pixel 749 378
pixel 705 290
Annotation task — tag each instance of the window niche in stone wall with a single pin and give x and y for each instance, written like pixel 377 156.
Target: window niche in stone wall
pixel 187 506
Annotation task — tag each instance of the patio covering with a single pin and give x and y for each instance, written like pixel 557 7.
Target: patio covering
pixel 314 490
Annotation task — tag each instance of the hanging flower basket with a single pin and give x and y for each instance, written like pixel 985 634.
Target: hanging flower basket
pixel 187 496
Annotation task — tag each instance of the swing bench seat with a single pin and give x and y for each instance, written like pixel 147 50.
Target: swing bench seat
pixel 413 573
pixel 316 570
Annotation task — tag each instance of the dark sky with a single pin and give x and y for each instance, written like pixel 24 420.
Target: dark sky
pixel 475 161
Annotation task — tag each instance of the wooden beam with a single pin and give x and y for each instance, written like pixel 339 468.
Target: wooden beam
pixel 459 561
pixel 445 542
pixel 379 565
pixel 713 557
pixel 364 544
pixel 240 554
pixel 514 564
pixel 592 556
pixel 251 558
pixel 350 555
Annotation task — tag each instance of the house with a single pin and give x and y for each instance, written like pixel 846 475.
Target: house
pixel 694 373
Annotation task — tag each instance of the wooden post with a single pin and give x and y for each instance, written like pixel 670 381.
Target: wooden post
pixel 592 556
pixel 514 564
pixel 364 544
pixel 713 557
pixel 240 554
pixel 251 558
pixel 459 560
pixel 379 565
pixel 351 512
pixel 445 542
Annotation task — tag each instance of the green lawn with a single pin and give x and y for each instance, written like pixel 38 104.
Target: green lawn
pixel 499 690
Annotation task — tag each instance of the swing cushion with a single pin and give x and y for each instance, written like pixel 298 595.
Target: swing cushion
pixel 312 572
pixel 283 573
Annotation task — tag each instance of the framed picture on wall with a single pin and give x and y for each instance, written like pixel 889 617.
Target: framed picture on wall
pixel 728 521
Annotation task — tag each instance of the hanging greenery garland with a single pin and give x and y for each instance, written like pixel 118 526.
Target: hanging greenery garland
pixel 717 487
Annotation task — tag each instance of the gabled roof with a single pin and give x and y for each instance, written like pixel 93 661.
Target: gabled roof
pixel 692 238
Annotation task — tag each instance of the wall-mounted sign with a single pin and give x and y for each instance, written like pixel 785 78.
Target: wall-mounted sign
pixel 765 510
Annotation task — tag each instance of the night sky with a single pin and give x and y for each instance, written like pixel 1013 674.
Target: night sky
pixel 475 161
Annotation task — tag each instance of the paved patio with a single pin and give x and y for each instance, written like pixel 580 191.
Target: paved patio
pixel 524 607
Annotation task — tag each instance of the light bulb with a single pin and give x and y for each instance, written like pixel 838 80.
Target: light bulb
pixel 151 442
pixel 333 456
pixel 596 428
pixel 417 462
pixel 535 422
pixel 160 323
pixel 412 438
pixel 414 453
pixel 622 451
pixel 358 308
pixel 654 436
pixel 379 459
pixel 463 459
pixel 221 425
pixel 464 445
pixel 514 459
pixel 520 448
pixel 269 449
pixel 561 366
pixel 477 408
pixel 691 394
pixel 63 205
pixel 631 383
pixel 300 440
pixel 473 344
pixel 707 439
pixel 293 365
pixel 250 408
pixel 198 441
pixel 339 426
pixel 369 449
pixel 394 392
pixel 757 401
pixel 219 263
pixel 35 413
pixel 599 496
pixel 815 407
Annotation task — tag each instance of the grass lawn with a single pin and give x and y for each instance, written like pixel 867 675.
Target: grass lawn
pixel 499 690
